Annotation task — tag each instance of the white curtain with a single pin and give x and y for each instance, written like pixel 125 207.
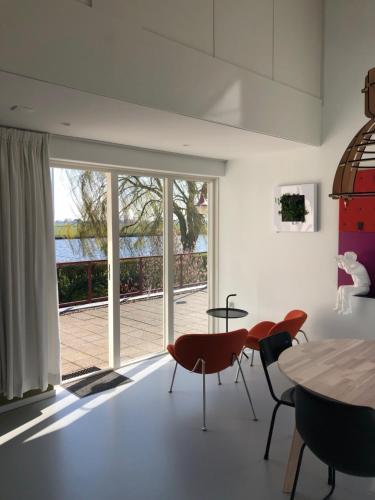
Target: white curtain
pixel 29 338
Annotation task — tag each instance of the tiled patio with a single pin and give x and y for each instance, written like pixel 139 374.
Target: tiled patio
pixel 84 332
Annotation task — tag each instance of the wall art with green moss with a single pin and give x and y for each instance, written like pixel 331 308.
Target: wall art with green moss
pixel 295 208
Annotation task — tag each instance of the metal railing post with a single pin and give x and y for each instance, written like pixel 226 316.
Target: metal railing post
pixel 141 275
pixel 181 272
pixel 89 282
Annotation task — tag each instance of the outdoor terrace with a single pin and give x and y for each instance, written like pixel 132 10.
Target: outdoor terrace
pixel 84 331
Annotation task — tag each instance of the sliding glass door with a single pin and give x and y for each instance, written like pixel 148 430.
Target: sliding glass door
pixel 81 261
pixel 133 264
pixel 190 246
pixel 141 266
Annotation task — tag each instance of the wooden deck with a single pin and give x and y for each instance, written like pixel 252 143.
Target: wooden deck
pixel 84 332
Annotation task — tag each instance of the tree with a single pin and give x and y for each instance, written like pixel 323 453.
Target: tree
pixel 89 194
pixel 140 207
pixel 191 222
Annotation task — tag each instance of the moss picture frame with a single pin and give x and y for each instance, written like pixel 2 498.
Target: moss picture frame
pixel 295 208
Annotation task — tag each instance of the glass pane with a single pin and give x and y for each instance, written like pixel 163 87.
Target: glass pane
pixel 141 266
pixel 81 261
pixel 190 216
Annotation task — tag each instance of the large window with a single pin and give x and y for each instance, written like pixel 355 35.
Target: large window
pixel 81 260
pixel 132 264
pixel 190 239
pixel 141 266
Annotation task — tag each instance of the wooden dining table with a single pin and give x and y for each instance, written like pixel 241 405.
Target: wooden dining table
pixel 341 369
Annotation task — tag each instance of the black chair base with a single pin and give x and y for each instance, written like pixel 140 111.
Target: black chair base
pixel 331 476
pixel 331 481
pixel 270 350
pixel 270 432
pixel 287 399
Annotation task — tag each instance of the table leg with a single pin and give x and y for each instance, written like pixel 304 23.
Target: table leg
pixel 291 468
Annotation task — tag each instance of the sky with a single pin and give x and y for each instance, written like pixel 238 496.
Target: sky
pixel 63 203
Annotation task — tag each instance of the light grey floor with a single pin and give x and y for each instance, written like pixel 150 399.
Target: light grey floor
pixel 139 442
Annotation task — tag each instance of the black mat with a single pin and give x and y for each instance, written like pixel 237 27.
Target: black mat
pixel 96 383
pixel 79 373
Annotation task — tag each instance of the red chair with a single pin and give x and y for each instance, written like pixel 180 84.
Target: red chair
pixel 291 324
pixel 209 353
pixel 298 317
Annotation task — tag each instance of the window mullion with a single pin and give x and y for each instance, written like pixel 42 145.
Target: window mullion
pixel 113 270
pixel 168 261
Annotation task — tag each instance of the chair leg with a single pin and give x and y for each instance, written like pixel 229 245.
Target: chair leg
pixel 329 475
pixel 297 472
pixel 204 428
pixel 219 379
pixel 247 390
pixel 277 406
pixel 173 376
pixel 332 483
pixel 304 334
pixel 252 358
pixel 238 370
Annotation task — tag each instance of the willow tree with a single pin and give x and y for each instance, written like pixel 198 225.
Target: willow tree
pixel 89 194
pixel 140 207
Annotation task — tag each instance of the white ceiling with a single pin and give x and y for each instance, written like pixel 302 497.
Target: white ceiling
pixel 104 119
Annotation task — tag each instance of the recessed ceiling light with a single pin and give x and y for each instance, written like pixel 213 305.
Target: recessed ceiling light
pixel 22 107
pixel 66 124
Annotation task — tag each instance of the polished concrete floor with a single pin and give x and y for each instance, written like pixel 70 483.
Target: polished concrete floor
pixel 139 442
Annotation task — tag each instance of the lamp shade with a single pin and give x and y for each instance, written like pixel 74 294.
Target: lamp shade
pixel 355 173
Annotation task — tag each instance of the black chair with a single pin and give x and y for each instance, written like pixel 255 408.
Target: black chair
pixel 342 436
pixel 270 349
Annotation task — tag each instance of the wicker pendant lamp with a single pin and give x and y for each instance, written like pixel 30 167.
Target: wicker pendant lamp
pixel 360 154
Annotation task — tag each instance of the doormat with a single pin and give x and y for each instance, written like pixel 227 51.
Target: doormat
pixel 79 373
pixel 96 383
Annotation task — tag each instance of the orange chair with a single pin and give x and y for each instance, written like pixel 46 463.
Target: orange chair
pixel 298 317
pixel 209 353
pixel 291 324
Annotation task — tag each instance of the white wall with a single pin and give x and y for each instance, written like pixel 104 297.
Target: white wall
pixel 244 34
pixel 298 44
pixel 273 273
pixel 216 61
pixel 186 22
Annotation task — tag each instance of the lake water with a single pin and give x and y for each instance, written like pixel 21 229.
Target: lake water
pixel 76 250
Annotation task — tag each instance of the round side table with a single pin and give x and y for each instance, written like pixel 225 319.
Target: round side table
pixel 227 312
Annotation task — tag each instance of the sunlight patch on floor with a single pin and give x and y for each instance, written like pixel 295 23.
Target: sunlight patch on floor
pixel 95 402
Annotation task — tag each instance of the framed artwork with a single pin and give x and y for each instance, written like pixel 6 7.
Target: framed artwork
pixel 295 208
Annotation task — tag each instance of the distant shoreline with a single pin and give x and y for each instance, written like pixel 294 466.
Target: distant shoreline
pixel 84 249
pixel 134 235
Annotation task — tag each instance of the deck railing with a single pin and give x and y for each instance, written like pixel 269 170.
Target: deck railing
pixel 86 281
